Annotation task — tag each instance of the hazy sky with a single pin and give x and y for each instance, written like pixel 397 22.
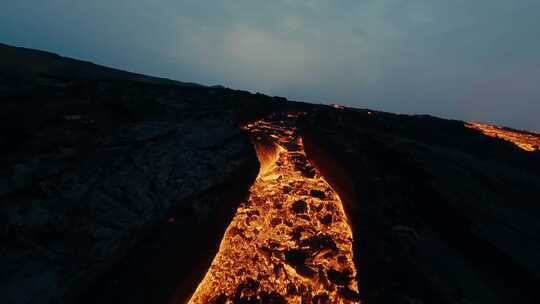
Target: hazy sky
pixel 464 59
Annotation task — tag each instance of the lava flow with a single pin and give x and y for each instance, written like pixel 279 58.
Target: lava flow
pixel 525 140
pixel 290 242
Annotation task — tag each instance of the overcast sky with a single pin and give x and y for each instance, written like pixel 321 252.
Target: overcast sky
pixel 466 59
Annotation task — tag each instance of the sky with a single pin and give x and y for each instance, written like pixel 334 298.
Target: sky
pixel 470 60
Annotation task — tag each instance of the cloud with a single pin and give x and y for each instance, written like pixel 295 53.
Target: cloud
pixel 459 59
pixel 264 58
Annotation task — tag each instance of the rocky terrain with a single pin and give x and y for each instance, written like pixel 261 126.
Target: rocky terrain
pixel 441 213
pixel 118 187
pixel 95 160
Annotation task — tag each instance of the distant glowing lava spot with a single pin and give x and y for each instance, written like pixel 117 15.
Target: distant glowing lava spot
pixel 290 242
pixel 337 106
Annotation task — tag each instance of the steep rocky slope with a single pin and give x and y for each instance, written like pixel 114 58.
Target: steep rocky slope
pixel 441 213
pixel 94 160
pixel 23 68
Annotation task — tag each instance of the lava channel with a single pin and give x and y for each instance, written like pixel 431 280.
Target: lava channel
pixel 290 242
pixel 527 141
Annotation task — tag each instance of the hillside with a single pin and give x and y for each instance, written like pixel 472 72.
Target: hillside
pixel 119 187
pixel 21 67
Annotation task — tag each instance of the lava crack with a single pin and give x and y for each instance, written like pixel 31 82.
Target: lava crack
pixel 290 242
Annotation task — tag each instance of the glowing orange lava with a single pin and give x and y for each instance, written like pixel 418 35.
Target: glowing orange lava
pixel 290 242
pixel 525 140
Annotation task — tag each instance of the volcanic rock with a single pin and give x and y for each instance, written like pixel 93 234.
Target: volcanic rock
pixel 318 194
pixel 319 242
pixel 440 213
pixel 339 277
pixel 95 160
pixel 327 219
pixel 299 206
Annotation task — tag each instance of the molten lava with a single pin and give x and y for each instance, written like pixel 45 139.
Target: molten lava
pixel 525 140
pixel 290 242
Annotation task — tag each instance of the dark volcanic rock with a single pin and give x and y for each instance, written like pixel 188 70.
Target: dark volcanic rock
pixel 99 167
pixel 318 194
pixel 327 219
pixel 440 213
pixel 299 206
pixel 351 295
pixel 339 278
pixel 319 242
pixel 96 207
pixel 297 259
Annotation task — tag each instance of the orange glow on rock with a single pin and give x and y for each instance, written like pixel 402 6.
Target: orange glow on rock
pixel 290 242
pixel 525 140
